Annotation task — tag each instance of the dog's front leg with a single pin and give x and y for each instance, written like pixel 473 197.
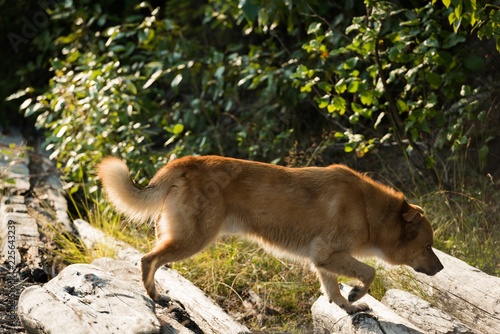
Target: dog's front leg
pixel 346 265
pixel 331 289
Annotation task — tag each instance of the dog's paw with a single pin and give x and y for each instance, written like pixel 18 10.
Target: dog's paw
pixel 355 308
pixel 163 300
pixel 356 293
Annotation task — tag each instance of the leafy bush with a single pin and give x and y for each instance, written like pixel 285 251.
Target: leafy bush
pixel 398 78
pixel 116 88
pixel 251 79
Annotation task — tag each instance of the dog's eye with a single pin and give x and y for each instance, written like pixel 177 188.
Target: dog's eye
pixel 429 247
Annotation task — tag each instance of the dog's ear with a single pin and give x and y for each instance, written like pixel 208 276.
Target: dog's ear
pixel 413 215
pixel 412 219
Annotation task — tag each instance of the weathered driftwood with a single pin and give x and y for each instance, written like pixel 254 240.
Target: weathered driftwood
pixel 86 299
pixel 19 234
pixel 329 318
pixel 460 290
pixel 208 316
pixel 19 237
pixel 423 314
pixel 48 192
pixel 172 319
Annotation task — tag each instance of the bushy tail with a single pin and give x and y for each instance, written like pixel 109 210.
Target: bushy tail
pixel 138 204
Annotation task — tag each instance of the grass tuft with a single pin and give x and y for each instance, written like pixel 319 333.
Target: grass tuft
pixel 231 268
pixel 467 227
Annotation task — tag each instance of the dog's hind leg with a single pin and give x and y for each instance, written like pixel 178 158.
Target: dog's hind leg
pixel 178 243
pixel 165 251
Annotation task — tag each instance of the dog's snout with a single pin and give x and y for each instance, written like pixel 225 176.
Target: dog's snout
pixel 439 267
pixel 432 270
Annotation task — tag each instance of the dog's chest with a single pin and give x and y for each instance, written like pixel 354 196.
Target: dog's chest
pixel 371 252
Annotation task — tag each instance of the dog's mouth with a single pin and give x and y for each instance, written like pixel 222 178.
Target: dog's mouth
pixel 429 272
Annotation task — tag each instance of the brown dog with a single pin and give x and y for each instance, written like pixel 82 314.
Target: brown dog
pixel 324 215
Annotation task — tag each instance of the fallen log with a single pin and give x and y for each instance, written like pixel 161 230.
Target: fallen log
pixel 460 290
pixel 19 238
pixel 208 316
pixel 85 299
pixel 330 318
pixel 423 314
pixel 173 319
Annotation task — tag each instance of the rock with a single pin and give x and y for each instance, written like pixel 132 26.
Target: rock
pixel 86 299
pixel 329 318
pixel 423 314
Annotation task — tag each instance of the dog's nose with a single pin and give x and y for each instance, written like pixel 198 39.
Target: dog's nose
pixel 431 270
pixel 437 268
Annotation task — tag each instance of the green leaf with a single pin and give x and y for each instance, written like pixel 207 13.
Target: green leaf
pixel 367 97
pixel 249 9
pixel 453 39
pixel 434 79
pixel 153 78
pixel 307 88
pixel 357 108
pixel 340 86
pixel 402 106
pixel 178 129
pixel 10 181
pixel 458 10
pixel 350 63
pixel 325 86
pixel 25 104
pixel 495 18
pixel 338 104
pixel 131 87
pixel 314 28
pixel 349 147
pixel 177 80
pixel 73 56
pixel 62 130
pixel 474 62
pixel 323 102
pixel 353 86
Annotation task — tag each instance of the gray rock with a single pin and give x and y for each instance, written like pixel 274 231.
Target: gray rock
pixel 85 299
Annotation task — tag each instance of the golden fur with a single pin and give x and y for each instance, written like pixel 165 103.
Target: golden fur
pixel 324 215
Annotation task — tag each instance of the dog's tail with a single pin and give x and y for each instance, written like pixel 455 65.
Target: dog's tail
pixel 137 204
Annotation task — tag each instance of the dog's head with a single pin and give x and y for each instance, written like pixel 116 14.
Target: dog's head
pixel 415 244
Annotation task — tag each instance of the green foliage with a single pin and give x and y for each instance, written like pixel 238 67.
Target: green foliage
pixel 395 75
pixel 116 86
pixel 480 16
pixel 249 81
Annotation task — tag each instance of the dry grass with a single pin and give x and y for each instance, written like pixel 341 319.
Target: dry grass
pixel 232 269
